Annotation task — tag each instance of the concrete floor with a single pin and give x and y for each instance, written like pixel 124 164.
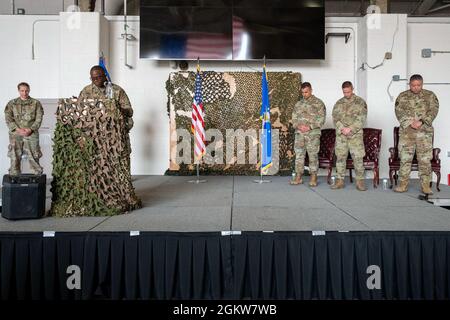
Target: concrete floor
pixel 236 203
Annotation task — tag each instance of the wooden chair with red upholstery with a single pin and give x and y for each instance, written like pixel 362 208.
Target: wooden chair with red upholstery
pixel 372 145
pixel 326 152
pixel 394 162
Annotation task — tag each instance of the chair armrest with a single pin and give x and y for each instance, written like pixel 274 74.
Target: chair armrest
pixel 393 152
pixel 436 152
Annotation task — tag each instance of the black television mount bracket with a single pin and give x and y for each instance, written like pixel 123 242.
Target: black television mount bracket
pixel 337 34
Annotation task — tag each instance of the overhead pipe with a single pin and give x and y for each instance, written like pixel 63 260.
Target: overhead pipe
pixel 438 8
pixel 126 35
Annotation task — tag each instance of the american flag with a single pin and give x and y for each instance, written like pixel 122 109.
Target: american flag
pixel 198 122
pixel 217 45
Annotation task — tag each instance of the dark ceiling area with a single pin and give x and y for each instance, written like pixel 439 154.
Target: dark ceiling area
pixel 357 8
pixel 432 8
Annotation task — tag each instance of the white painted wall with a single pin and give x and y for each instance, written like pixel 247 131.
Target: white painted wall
pixel 145 82
pixel 361 57
pixel 82 37
pixel 145 86
pixel 388 31
pixel 42 73
pixel 34 7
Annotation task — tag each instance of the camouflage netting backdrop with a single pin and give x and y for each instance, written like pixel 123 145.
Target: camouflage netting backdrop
pixel 232 100
pixel 91 168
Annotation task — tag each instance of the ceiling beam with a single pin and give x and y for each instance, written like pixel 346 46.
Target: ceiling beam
pixel 439 8
pixel 424 7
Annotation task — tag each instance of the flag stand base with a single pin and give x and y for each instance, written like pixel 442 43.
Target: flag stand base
pixel 261 180
pixel 197 181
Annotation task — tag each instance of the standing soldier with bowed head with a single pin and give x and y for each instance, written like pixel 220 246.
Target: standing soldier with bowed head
pixel 416 109
pixel 349 117
pixel 308 118
pixel 23 117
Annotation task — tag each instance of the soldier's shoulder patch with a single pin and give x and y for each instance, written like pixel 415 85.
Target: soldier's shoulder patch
pixel 401 96
pixel 359 99
pixel 428 93
pixel 318 100
pixel 117 87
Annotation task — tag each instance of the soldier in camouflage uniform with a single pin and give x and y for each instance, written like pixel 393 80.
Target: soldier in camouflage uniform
pixel 23 117
pixel 416 109
pixel 349 117
pixel 308 118
pixel 97 90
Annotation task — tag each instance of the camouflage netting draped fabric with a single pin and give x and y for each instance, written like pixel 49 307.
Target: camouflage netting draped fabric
pixel 232 100
pixel 91 168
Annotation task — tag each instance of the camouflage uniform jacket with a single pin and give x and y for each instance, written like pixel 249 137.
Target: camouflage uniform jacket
pixel 310 112
pixel 24 114
pixel 93 92
pixel 423 106
pixel 350 113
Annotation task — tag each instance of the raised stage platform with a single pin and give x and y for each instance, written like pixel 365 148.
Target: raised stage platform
pixel 278 249
pixel 236 203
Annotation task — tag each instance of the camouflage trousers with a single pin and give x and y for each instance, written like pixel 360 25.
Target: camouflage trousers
pixel 306 143
pixel 30 145
pixel 354 144
pixel 420 142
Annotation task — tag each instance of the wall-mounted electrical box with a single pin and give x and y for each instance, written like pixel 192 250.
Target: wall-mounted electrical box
pixel 426 53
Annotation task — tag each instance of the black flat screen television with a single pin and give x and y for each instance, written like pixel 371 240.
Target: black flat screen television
pixel 232 29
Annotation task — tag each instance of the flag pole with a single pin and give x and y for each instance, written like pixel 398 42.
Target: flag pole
pixel 261 179
pixel 197 181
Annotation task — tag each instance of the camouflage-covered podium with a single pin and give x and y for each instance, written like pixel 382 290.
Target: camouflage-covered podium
pixel 91 160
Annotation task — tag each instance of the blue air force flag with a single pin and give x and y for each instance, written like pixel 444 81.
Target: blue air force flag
pixel 266 133
pixel 101 63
